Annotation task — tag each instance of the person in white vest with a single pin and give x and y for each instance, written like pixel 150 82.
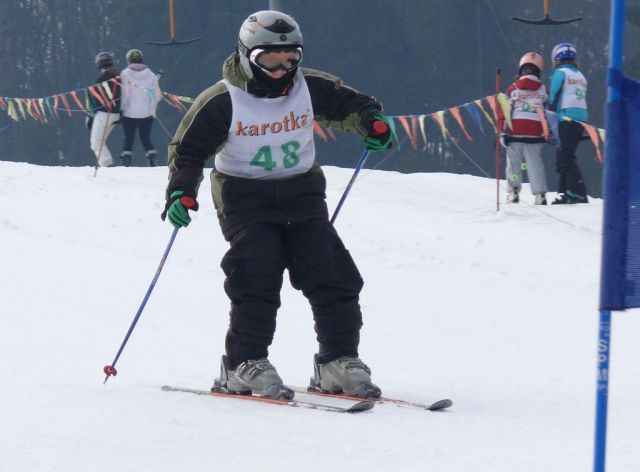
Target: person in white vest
pixel 140 96
pixel 269 194
pixel 104 115
pixel 525 140
pixel 569 99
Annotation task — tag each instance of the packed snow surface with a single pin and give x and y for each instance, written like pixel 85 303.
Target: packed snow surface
pixel 497 311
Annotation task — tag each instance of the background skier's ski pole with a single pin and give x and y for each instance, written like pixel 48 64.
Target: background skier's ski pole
pixel 110 369
pixel 363 158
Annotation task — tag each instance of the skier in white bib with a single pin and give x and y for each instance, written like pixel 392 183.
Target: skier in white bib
pixel 104 114
pixel 270 199
pixel 524 141
pixel 569 99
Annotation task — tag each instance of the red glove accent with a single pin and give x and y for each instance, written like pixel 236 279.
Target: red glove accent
pixel 379 128
pixel 188 202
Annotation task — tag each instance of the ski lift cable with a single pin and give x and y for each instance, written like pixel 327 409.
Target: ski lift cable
pixel 164 127
pixel 504 36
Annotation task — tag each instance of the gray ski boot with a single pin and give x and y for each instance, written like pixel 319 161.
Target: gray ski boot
pixel 346 374
pixel 257 377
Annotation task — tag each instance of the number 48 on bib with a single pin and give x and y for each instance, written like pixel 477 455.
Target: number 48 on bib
pixel 264 157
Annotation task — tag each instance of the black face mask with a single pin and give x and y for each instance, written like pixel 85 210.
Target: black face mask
pixel 264 86
pixel 529 69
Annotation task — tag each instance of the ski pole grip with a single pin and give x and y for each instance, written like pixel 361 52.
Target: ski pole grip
pixel 379 128
pixel 188 202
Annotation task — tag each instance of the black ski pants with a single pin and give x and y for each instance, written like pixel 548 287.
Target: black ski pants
pixel 319 265
pixel 570 134
pixel 144 126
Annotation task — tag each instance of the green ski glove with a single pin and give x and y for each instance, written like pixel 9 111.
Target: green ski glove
pixel 177 209
pixel 379 137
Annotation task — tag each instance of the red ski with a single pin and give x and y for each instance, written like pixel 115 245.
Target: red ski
pixel 358 407
pixel 435 406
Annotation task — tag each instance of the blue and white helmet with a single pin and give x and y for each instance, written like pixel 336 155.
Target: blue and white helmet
pixel 564 52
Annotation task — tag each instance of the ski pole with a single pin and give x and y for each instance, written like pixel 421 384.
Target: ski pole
pixel 363 159
pixel 110 369
pixel 379 129
pixel 498 131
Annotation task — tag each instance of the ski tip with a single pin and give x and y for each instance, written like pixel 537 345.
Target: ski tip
pixel 360 406
pixel 440 405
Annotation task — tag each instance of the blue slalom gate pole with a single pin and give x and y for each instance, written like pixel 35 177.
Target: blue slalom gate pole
pixel 602 391
pixel 616 44
pixel 110 369
pixel 361 161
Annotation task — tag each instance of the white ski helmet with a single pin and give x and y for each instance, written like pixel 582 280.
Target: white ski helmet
pixel 104 59
pixel 267 29
pixel 532 58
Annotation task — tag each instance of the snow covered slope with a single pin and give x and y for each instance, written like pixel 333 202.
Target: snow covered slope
pixel 495 311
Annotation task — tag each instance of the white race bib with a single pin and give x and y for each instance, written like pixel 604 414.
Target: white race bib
pixel 574 90
pixel 525 102
pixel 269 138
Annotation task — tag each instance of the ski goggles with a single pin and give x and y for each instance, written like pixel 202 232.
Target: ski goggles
pixel 272 60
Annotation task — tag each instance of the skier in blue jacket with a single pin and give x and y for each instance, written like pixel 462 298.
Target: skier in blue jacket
pixel 568 98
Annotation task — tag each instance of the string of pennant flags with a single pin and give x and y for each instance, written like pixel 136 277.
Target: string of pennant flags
pixel 486 110
pixel 79 100
pixel 414 126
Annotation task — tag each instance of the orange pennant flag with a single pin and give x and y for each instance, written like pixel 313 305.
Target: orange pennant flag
pixel 494 107
pixel 96 95
pixel 438 117
pixel 66 104
pixel 174 101
pixel 456 114
pixel 179 103
pixel 543 120
pixel 331 134
pixel 405 125
pixel 167 98
pixel 593 134
pixel 318 129
pixel 414 127
pixel 55 105
pixel 74 95
pixel 112 94
pixel 36 110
